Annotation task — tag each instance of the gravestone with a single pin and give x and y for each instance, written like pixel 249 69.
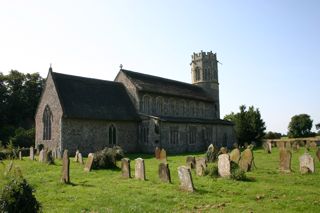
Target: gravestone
pixel 163 155
pixel 318 154
pixel 223 150
pixel 41 155
pixel 139 172
pixel 224 165
pixel 125 168
pixel 157 153
pixel 65 177
pixel 54 153
pixel 313 145
pixel 31 153
pixel 288 145
pixel 295 146
pixel 76 157
pixel 267 146
pixel 235 155
pixel 246 160
pixel 285 160
pixel 306 163
pixel 164 172
pixel 201 166
pixel 49 157
pixel 185 178
pixel 280 144
pixel 235 146
pixel 20 155
pixel 87 167
pixel 211 154
pixel 191 162
pixel 80 159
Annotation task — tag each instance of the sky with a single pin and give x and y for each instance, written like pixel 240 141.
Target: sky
pixel 269 50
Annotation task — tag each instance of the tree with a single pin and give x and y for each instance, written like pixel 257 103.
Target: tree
pixel 249 125
pixel 300 126
pixel 273 135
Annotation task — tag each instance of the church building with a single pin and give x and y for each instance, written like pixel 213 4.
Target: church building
pixel 136 111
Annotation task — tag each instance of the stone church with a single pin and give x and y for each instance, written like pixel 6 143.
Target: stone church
pixel 135 111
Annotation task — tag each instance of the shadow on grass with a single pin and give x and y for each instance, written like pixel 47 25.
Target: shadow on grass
pixel 83 183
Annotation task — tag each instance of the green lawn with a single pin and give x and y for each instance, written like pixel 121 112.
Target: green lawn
pixel 106 191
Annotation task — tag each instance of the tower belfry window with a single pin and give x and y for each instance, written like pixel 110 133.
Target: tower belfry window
pixel 47 120
pixel 112 135
pixel 197 74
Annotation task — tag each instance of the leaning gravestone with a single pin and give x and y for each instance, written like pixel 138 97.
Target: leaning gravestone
pixel 31 156
pixel 125 168
pixel 306 163
pixel 157 152
pixel 20 155
pixel 224 165
pixel 185 178
pixel 318 154
pixel 191 162
pixel 139 172
pixel 87 167
pixel 201 166
pixel 164 172
pixel 76 157
pixel 65 177
pixel 235 155
pixel 285 160
pixel 246 160
pixel 80 159
pixel 163 155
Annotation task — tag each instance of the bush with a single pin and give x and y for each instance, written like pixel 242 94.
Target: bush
pixel 106 158
pixel 212 171
pixel 236 172
pixel 24 138
pixel 16 196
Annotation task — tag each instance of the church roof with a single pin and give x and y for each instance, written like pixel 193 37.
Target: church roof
pixel 89 98
pixel 155 84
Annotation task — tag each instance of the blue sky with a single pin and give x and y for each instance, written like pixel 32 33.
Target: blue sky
pixel 269 50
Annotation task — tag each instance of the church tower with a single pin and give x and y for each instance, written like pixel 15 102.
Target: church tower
pixel 204 73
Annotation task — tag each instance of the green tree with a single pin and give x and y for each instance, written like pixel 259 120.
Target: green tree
pixel 249 125
pixel 300 126
pixel 273 135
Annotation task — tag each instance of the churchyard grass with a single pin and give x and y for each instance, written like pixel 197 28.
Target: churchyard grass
pixel 266 190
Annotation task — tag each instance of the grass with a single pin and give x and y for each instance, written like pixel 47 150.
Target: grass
pixel 267 190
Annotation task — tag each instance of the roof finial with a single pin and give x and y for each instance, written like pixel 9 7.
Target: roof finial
pixel 121 66
pixel 50 68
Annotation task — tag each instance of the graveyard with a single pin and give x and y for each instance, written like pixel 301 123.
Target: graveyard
pixel 265 188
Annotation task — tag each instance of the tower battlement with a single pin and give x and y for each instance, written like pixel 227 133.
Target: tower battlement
pixel 204 56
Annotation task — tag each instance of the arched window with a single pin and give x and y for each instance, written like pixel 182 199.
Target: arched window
pixel 159 105
pixel 172 104
pixel 146 104
pixel 47 119
pixel 197 74
pixel 112 135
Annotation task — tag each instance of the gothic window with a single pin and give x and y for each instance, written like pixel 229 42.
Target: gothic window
pixel 112 135
pixel 159 105
pixel 183 109
pixel 197 74
pixel 174 136
pixel 172 104
pixel 146 102
pixel 47 120
pixel 192 135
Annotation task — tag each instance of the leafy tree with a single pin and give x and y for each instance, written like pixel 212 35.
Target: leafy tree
pixel 300 126
pixel 249 125
pixel 273 135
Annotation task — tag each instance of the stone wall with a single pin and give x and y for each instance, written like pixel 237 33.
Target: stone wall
pixel 92 135
pixel 49 98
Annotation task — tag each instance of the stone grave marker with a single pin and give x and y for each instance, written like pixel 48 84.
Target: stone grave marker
pixel 20 155
pixel 201 166
pixel 65 177
pixel 285 160
pixel 224 165
pixel 125 168
pixel 139 172
pixel 31 153
pixel 306 163
pixel 313 145
pixel 185 178
pixel 157 153
pixel 41 155
pixel 76 157
pixel 87 167
pixel 246 160
pixel 267 146
pixel 211 154
pixel 191 162
pixel 49 157
pixel 80 159
pixel 288 145
pixel 318 154
pixel 163 155
pixel 235 155
pixel 164 172
pixel 280 144
pixel 223 150
pixel 295 146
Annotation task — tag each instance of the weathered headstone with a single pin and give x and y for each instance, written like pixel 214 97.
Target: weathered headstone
pixel 80 159
pixel 41 155
pixel 306 163
pixel 318 154
pixel 211 154
pixel 31 151
pixel 235 155
pixel 267 146
pixel 288 145
pixel 280 144
pixel 246 160
pixel 76 157
pixel 49 157
pixel 20 155
pixel 223 150
pixel 191 162
pixel 65 177
pixel 185 178
pixel 201 166
pixel 285 160
pixel 295 146
pixel 224 165
pixel 313 145
pixel 125 168
pixel 163 155
pixel 157 152
pixel 139 172
pixel 87 167
pixel 164 172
